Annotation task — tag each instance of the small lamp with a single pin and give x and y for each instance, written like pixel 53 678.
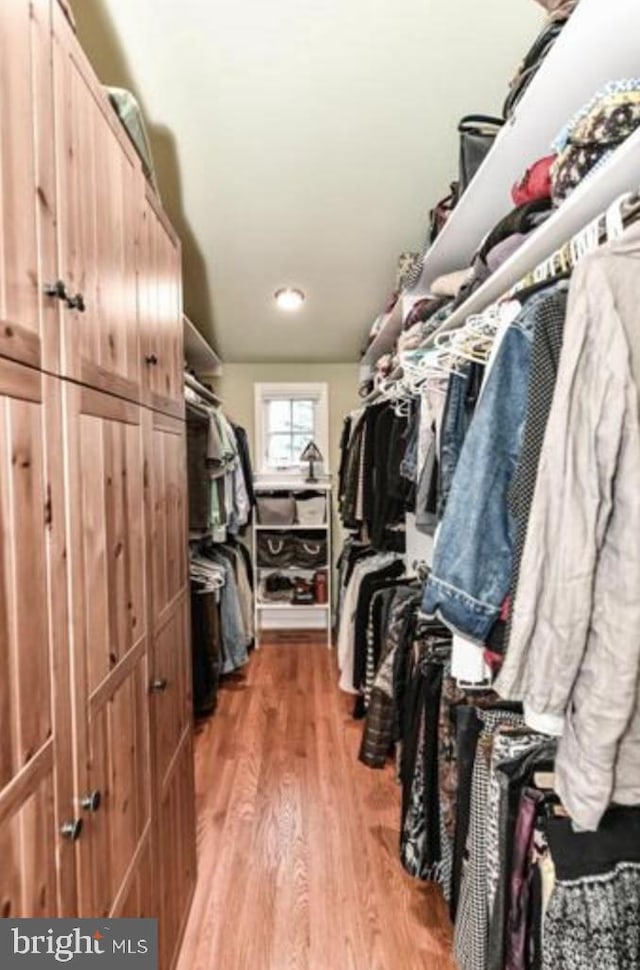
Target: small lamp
pixel 311 454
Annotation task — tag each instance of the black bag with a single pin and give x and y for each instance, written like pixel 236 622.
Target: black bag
pixel 311 552
pixel 276 550
pixel 477 135
pixel 532 62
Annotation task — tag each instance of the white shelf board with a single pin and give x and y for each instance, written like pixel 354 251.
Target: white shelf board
pixel 198 353
pixel 592 197
pixel 292 569
pixel 599 44
pixel 293 606
pixel 386 337
pixel 285 484
pixel 287 528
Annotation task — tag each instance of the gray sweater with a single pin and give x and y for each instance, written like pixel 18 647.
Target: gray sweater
pixel 574 652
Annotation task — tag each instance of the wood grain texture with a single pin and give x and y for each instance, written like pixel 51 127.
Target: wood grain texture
pixel 160 309
pixel 108 609
pixel 173 859
pixel 297 841
pixel 36 875
pixel 26 176
pixel 99 182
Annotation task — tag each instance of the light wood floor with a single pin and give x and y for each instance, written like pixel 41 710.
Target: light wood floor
pixel 298 842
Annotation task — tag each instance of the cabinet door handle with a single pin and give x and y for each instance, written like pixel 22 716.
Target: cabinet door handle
pixel 159 685
pixel 91 801
pixel 151 360
pixel 77 303
pixel 72 830
pixel 57 290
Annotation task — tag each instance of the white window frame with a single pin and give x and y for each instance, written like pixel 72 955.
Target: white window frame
pixel 265 392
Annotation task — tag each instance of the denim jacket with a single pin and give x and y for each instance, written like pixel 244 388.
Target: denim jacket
pixel 472 560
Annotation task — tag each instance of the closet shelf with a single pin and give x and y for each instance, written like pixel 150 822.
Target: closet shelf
pixel 291 485
pixel 620 174
pixel 292 606
pixel 386 337
pixel 198 353
pixel 288 528
pixel 576 67
pixel 292 569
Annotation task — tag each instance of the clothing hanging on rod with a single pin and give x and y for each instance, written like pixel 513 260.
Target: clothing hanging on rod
pixel 520 446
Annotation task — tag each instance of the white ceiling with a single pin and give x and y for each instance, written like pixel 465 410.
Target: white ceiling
pixel 303 143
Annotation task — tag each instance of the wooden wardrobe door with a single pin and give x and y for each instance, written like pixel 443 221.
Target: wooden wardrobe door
pixel 99 182
pixel 104 471
pixel 171 704
pixel 36 792
pixel 28 317
pixel 160 295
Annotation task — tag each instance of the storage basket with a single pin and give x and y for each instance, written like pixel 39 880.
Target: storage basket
pixel 310 552
pixel 311 510
pixel 276 550
pixel 276 509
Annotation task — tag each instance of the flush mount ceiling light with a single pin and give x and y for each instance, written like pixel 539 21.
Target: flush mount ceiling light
pixel 289 299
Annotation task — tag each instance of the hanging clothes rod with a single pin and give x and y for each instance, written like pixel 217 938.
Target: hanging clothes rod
pixel 200 389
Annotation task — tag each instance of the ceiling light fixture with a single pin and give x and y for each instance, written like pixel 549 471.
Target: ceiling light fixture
pixel 289 299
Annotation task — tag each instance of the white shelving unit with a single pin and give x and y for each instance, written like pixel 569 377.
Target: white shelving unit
pixel 599 44
pixel 198 352
pixel 294 615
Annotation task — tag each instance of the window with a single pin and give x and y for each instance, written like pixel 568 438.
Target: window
pixel 288 417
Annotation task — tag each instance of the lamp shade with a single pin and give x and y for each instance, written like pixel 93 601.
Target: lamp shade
pixel 311 453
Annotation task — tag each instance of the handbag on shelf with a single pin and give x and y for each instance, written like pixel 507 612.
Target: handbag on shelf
pixel 477 135
pixel 531 64
pixel 310 552
pixel 276 550
pixel 276 509
pixel 276 588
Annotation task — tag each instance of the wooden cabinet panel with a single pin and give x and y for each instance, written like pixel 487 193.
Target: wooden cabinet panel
pixel 27 837
pixel 172 709
pixel 171 703
pixel 28 318
pixel 167 563
pixel 135 901
pixel 166 457
pixel 118 760
pixel 95 674
pixel 160 306
pixel 104 472
pixel 36 876
pixel 99 181
pixel 177 827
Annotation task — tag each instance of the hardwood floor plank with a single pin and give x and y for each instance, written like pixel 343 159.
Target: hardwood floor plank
pixel 298 841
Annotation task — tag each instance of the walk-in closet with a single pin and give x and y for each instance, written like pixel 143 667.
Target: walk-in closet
pixel 320 484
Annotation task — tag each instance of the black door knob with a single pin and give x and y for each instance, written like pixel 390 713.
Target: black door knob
pixel 76 303
pixel 57 290
pixel 151 359
pixel 92 801
pixel 159 685
pixel 72 830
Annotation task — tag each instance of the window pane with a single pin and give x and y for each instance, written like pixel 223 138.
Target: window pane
pixel 280 450
pixel 279 416
pixel 300 442
pixel 304 414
